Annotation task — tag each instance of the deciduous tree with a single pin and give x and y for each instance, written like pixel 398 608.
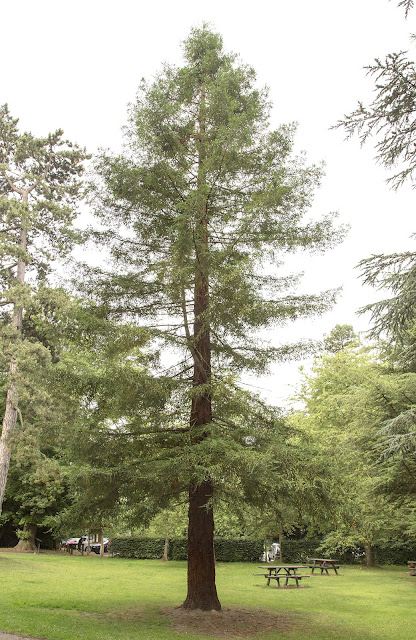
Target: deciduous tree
pixel 39 188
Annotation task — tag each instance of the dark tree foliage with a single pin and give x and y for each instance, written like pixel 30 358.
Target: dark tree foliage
pixel 393 316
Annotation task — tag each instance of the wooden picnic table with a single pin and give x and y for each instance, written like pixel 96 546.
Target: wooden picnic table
pixel 283 572
pixel 323 564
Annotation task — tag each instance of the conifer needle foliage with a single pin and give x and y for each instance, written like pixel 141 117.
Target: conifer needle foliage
pixel 198 213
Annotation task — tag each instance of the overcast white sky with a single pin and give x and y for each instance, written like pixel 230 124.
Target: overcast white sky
pixel 76 65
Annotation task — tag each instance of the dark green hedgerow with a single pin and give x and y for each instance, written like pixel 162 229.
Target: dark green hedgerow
pixel 238 550
pixel 226 549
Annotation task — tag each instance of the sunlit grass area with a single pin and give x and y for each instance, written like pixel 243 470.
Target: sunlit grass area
pixel 90 598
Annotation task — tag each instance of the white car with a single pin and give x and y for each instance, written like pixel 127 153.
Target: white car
pixel 96 546
pixel 82 544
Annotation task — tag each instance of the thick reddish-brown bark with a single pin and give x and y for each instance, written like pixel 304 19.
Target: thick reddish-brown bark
pixel 202 592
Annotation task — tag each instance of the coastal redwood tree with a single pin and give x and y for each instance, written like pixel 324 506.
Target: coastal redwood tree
pixel 39 188
pixel 200 210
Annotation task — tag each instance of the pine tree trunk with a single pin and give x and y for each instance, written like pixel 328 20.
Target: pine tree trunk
pixel 29 541
pixel 202 592
pixel 12 395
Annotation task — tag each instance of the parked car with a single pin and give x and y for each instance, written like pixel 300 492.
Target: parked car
pixel 72 543
pixel 96 546
pixel 81 544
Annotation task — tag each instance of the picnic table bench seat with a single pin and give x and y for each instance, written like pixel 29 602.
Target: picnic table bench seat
pixel 323 564
pixel 286 577
pixel 282 576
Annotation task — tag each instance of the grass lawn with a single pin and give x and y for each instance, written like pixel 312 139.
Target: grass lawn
pixel 67 597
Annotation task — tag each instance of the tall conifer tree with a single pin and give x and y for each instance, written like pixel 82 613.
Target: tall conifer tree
pixel 204 198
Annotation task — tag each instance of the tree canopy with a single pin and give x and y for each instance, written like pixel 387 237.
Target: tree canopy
pixel 199 211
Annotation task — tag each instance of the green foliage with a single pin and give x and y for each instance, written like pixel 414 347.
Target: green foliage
pixel 149 548
pixel 341 336
pixel 40 186
pixel 226 549
pixel 348 397
pixel 199 212
pixel 397 552
pixel 390 117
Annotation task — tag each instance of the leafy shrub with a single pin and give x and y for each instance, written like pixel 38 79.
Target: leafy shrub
pixel 299 550
pixel 144 548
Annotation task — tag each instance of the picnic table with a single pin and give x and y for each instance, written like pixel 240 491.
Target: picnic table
pixel 282 572
pixel 412 567
pixel 323 564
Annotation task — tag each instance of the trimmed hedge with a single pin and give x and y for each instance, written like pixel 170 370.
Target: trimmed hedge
pixel 143 548
pixel 394 555
pixel 226 549
pixel 239 550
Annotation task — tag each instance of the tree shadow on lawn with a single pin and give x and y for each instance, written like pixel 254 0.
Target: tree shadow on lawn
pixel 227 623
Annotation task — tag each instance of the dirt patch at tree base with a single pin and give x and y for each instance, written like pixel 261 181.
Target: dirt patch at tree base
pixel 228 623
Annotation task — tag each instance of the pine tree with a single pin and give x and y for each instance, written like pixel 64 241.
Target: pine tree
pixel 390 118
pixel 203 201
pixel 39 187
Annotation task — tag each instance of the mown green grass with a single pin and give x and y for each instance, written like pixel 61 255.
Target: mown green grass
pixel 88 598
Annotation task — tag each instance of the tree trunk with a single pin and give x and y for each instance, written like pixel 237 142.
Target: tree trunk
pixel 12 395
pixel 369 557
pixel 281 538
pixel 101 543
pixel 202 592
pixel 266 549
pixel 28 543
pixel 166 548
pixel 9 422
